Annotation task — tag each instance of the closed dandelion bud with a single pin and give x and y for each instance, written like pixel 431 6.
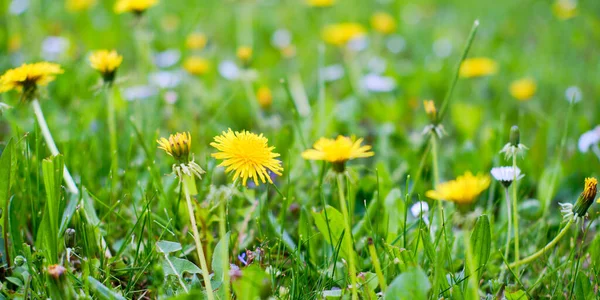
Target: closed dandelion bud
pixel 430 109
pixel 178 146
pixel 515 136
pixel 264 97
pixel 244 54
pixel 586 198
pixel 70 238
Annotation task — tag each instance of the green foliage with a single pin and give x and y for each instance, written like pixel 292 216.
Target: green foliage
pixel 412 284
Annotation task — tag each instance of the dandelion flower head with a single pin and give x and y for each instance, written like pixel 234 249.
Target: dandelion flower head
pixel 523 89
pixel 478 67
pixel 28 77
pixel 340 34
pixel 383 22
pixel 463 190
pixel 106 62
pixel 196 65
pixel 136 6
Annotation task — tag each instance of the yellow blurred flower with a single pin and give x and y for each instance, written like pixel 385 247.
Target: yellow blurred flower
pixel 430 109
pixel 320 3
pixel 248 155
pixel 106 62
pixel 264 97
pixel 338 151
pixel 14 43
pixel 565 9
pixel 244 54
pixel 136 6
pixel 196 65
pixel 462 190
pixel 79 5
pixel 477 67
pixel 196 41
pixel 178 146
pixel 28 77
pixel 383 23
pixel 340 34
pixel 523 89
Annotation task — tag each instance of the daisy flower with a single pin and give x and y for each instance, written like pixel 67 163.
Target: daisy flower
pixel 506 175
pixel 463 190
pixel 338 151
pixel 248 155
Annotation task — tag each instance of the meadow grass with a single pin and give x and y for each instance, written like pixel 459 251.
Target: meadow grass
pixel 362 162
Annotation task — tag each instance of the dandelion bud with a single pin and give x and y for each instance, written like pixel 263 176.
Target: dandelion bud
pixel 586 198
pixel 430 109
pixel 515 136
pixel 177 145
pixel 244 54
pixel 106 62
pixel 264 97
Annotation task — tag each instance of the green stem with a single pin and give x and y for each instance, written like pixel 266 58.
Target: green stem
pixel 112 131
pixel 377 266
pixel 199 249
pixel 473 286
pixel 436 173
pixel 348 231
pixel 549 246
pixel 508 231
pixel 37 109
pixel 515 212
pixel 225 258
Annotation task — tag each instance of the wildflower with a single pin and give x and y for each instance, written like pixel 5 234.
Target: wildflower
pixel 430 109
pixel 383 23
pixel 54 47
pixel 565 9
pixel 320 3
pixel 281 38
pixel 332 72
pixel 462 190
pixel 248 155
pixel 338 151
pixel 135 6
pixel 166 59
pixel 477 67
pixel 14 43
pixel 196 41
pixel 179 146
pixel 342 33
pixel 514 147
pixel 506 175
pixel 523 89
pixel 573 94
pixel 196 65
pixel 583 203
pixel 79 5
pixel 589 139
pixel 106 62
pixel 420 210
pixel 378 83
pixel 28 77
pixel 244 54
pixel 264 97
pixel 56 271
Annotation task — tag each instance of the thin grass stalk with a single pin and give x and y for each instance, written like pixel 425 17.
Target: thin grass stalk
pixel 515 212
pixel 225 258
pixel 348 231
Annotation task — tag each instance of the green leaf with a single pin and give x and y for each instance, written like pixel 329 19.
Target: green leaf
pixel 516 295
pixel 412 284
pixel 101 291
pixel 427 244
pixel 221 249
pixel 48 235
pixel 5 174
pixel 481 242
pixel 181 266
pixel 583 288
pixel 251 284
pixel 336 228
pixel 167 247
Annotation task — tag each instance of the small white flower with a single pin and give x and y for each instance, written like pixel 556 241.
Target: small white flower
pixel 377 83
pixel 573 94
pixel 18 7
pixel 229 70
pixel 139 92
pixel 331 73
pixel 281 38
pixel 419 209
pixel 166 79
pixel 442 47
pixel 53 47
pixel 167 58
pixel 506 175
pixel 358 44
pixel 589 138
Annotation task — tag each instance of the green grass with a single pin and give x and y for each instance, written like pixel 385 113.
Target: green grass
pixel 292 235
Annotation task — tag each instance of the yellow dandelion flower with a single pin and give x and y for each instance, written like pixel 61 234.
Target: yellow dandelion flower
pixel 462 190
pixel 264 97
pixel 320 3
pixel 248 155
pixel 135 6
pixel 178 146
pixel 28 77
pixel 338 151
pixel 244 54
pixel 106 62
pixel 196 65
pixel 340 34
pixel 430 109
pixel 523 89
pixel 477 67
pixel 14 43
pixel 383 23
pixel 196 41
pixel 565 9
pixel 79 5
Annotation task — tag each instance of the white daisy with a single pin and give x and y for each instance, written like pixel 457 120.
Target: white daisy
pixel 167 58
pixel 331 73
pixel 506 175
pixel 419 209
pixel 573 94
pixel 377 83
pixel 589 138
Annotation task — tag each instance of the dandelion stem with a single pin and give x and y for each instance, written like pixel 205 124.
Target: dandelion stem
pixel 37 109
pixel 112 130
pixel 199 249
pixel 515 212
pixel 545 249
pixel 436 174
pixel 377 265
pixel 473 286
pixel 225 258
pixel 348 231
